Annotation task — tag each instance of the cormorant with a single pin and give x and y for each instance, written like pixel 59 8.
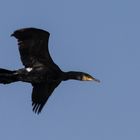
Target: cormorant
pixel 39 70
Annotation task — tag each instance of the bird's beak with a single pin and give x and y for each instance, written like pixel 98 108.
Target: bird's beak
pixel 96 80
pixel 90 78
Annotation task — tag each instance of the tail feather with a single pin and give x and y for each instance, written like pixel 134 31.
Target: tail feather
pixel 6 71
pixel 7 76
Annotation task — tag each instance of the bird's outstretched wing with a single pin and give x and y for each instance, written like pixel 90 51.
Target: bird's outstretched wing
pixel 41 93
pixel 33 46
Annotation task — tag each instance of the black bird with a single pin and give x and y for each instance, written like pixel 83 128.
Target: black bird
pixel 39 70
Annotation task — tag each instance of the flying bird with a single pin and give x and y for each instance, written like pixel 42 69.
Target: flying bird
pixel 39 68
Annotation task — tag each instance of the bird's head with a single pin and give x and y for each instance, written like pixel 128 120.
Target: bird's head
pixel 82 76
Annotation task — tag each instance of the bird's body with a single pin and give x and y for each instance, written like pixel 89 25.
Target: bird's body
pixel 39 70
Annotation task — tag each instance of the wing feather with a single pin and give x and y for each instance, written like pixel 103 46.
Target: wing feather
pixel 33 46
pixel 41 93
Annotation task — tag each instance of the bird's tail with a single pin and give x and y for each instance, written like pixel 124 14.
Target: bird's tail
pixel 7 76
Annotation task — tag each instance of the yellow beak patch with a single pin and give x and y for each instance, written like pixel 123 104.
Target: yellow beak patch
pixel 87 78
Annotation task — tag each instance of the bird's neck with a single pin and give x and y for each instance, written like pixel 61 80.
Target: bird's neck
pixel 72 75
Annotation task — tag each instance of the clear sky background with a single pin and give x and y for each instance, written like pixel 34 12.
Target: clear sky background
pixel 101 37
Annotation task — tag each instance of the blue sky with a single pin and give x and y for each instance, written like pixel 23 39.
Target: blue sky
pixel 100 37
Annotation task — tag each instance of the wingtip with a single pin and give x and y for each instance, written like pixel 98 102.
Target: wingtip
pixel 37 108
pixel 12 35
